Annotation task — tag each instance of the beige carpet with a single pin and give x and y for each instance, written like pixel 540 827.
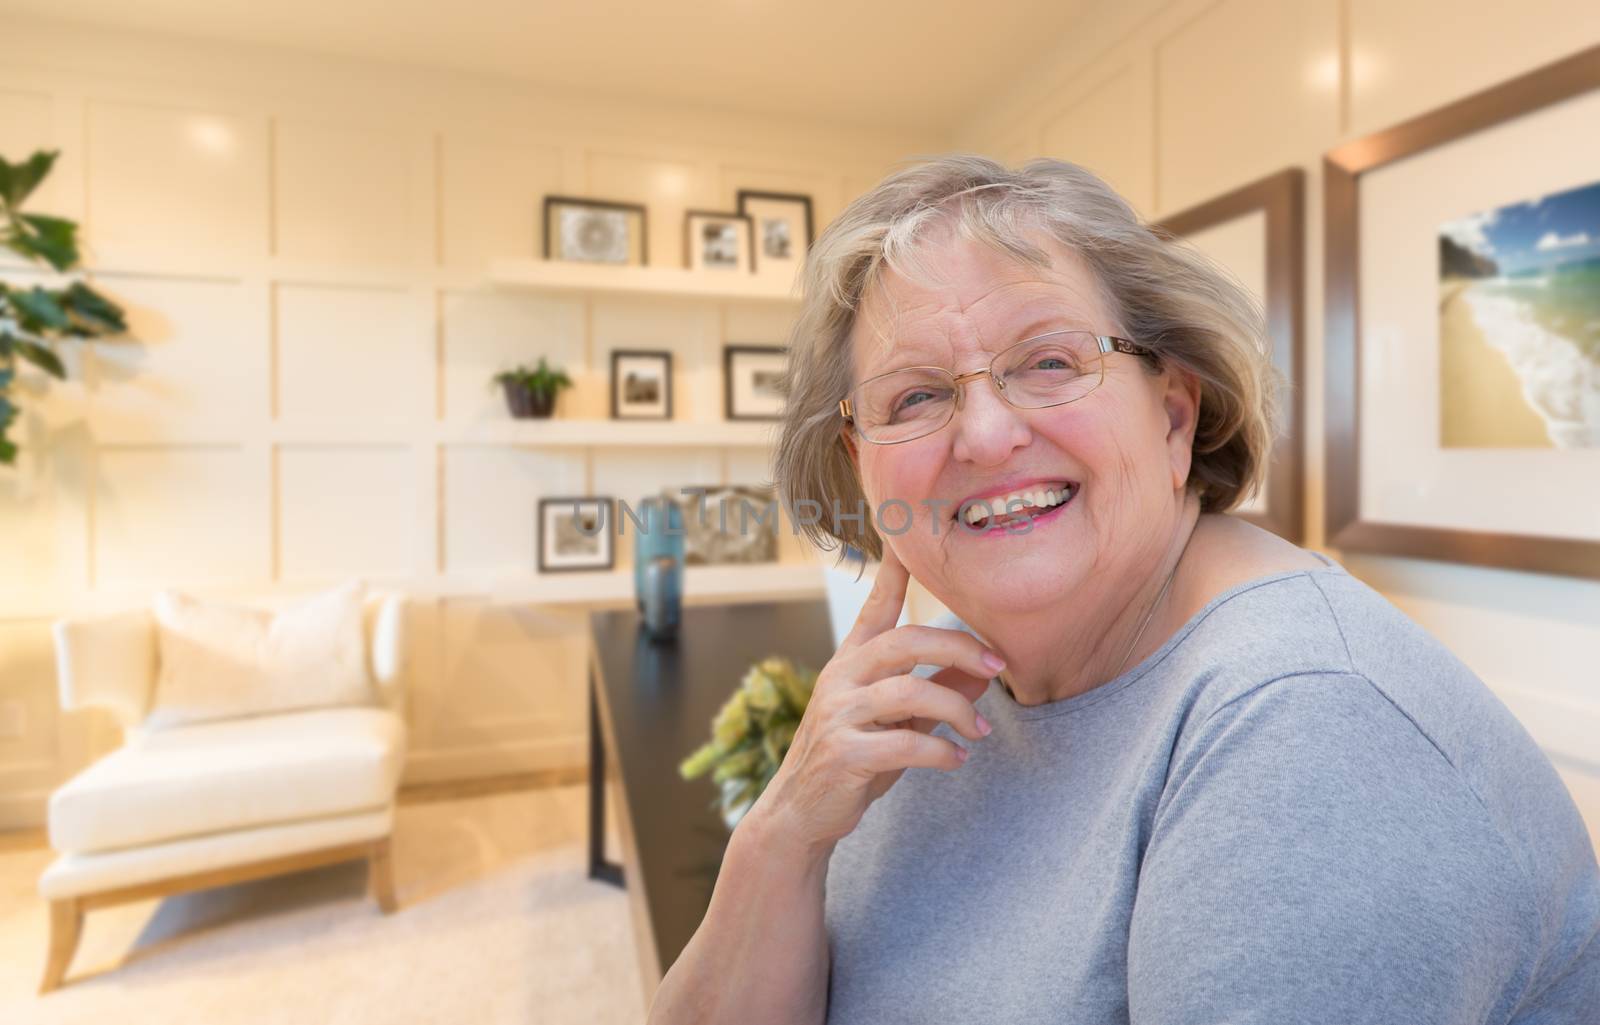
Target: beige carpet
pixel 498 923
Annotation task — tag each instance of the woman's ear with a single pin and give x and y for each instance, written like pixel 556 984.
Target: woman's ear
pixel 1181 401
pixel 849 440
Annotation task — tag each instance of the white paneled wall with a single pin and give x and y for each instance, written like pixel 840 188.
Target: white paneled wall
pixel 303 244
pixel 1178 101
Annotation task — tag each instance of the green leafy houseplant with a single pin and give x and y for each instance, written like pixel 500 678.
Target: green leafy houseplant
pixel 34 318
pixel 751 734
pixel 533 392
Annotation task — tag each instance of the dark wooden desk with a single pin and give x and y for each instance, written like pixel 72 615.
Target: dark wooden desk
pixel 649 707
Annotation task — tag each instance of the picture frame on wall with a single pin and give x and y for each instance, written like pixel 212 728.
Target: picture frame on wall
pixel 583 230
pixel 641 384
pixel 751 375
pixel 1257 233
pixel 576 534
pixel 1463 394
pixel 717 241
pixel 781 230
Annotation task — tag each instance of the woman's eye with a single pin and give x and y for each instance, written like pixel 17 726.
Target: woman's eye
pixel 912 398
pixel 1052 363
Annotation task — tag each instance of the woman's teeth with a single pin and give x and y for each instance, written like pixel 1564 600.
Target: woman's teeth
pixel 1017 503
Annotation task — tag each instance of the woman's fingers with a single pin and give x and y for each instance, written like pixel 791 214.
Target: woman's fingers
pixel 892 750
pixel 881 610
pixel 902 648
pixel 968 686
pixel 898 698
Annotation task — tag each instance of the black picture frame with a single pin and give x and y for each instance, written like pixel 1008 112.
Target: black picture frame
pixel 553 505
pixel 617 356
pixel 729 354
pixel 552 202
pixel 743 197
pixel 720 215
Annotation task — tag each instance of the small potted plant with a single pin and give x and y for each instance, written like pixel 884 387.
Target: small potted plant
pixel 532 392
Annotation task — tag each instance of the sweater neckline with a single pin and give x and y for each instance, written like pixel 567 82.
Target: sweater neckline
pixel 1000 704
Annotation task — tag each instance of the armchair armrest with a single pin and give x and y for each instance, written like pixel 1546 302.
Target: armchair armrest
pixel 385 616
pixel 107 662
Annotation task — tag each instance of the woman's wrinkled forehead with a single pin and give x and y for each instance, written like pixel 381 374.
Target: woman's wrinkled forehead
pixel 964 293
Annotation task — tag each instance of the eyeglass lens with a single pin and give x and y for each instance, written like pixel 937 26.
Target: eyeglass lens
pixel 1046 370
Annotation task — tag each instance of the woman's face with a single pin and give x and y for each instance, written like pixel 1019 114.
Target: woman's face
pixel 1121 453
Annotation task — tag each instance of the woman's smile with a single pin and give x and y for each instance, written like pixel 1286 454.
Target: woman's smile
pixel 1017 513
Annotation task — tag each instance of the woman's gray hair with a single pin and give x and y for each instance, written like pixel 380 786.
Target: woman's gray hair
pixel 1168 296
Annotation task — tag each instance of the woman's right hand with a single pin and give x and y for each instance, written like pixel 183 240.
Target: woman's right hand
pixel 869 719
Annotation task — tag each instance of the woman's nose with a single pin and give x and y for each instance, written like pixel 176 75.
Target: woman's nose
pixel 988 428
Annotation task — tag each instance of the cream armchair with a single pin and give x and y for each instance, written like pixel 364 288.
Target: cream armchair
pixel 213 803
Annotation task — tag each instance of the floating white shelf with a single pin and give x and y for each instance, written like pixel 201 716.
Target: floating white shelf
pixel 561 276
pixel 556 433
pixel 702 585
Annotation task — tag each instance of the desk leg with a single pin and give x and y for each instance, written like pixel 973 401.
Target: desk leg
pixel 599 867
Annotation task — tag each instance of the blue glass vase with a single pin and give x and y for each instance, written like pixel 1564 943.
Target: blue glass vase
pixel 660 536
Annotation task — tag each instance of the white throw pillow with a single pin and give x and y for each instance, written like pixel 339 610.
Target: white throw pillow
pixel 224 661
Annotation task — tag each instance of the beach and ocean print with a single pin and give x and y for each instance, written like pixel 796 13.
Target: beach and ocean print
pixel 1519 324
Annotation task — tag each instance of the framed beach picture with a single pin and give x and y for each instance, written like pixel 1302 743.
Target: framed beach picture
pixel 1257 234
pixel 751 379
pixel 782 227
pixel 717 241
pixel 1463 330
pixel 575 534
pixel 641 384
pixel 725 524
pixel 595 231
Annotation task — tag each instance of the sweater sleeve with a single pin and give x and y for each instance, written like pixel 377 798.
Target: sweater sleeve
pixel 1314 858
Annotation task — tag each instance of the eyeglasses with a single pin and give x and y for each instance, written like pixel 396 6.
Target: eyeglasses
pixel 1051 369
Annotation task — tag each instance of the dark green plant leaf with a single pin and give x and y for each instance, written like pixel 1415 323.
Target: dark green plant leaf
pixel 39 310
pixel 41 357
pixel 6 373
pixel 52 239
pixel 8 451
pixel 17 181
pixel 92 313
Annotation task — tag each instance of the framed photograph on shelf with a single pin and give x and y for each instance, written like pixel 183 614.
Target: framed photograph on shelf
pixel 641 385
pixel 576 534
pixel 751 375
pixel 595 231
pixel 781 227
pixel 717 241
pixel 1257 233
pixel 1463 329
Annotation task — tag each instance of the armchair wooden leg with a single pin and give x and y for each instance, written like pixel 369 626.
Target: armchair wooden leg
pixel 380 875
pixel 66 925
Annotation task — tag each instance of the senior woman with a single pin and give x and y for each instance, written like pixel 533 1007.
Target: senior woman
pixel 1164 766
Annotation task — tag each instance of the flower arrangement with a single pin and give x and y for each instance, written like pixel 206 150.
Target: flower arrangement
pixel 751 733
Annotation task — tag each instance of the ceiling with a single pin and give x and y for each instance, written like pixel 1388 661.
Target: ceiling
pixel 911 64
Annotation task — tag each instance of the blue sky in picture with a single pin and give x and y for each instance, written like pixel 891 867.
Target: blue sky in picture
pixel 1559 228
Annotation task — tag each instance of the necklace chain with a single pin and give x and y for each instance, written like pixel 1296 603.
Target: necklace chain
pixel 1148 616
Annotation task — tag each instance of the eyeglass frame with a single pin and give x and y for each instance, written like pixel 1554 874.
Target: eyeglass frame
pixel 1107 344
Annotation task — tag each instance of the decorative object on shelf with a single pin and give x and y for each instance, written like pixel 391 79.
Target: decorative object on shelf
pixel 781 226
pixel 660 536
pixel 1469 171
pixel 717 241
pixel 33 319
pixel 751 734
pixel 752 379
pixel 736 523
pixel 595 231
pixel 641 384
pixel 1257 233
pixel 532 393
pixel 576 534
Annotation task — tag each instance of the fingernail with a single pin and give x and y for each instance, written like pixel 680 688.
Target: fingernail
pixel 992 662
pixel 962 752
pixel 983 725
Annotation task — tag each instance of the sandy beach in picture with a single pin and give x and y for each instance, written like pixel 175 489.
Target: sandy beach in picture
pixel 1519 324
pixel 1481 403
